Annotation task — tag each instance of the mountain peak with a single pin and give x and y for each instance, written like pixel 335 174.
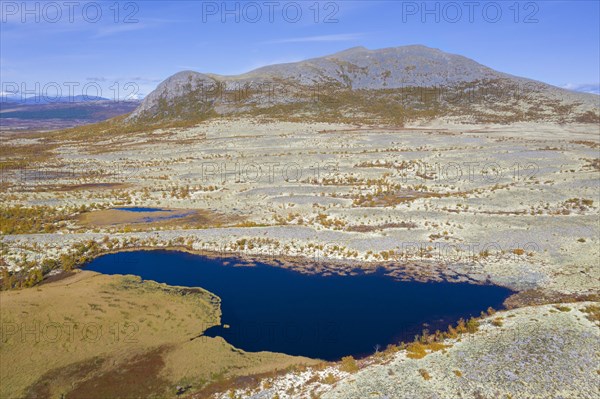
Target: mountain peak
pixel 359 70
pixel 357 49
pixel 397 49
pixel 393 67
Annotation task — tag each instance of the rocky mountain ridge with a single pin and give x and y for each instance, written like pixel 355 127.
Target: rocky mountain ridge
pixel 393 84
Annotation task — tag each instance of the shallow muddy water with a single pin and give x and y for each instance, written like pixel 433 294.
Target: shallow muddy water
pixel 140 209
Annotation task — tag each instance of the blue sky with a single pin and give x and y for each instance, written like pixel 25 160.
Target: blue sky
pixel 144 42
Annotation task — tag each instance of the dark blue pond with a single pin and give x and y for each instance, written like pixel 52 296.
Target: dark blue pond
pixel 279 310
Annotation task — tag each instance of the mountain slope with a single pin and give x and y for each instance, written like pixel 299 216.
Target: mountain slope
pixel 387 85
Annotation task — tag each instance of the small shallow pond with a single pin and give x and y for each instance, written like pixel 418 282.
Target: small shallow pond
pixel 279 310
pixel 140 209
pixel 149 215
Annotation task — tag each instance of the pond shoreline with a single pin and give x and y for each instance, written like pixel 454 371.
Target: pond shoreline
pixel 317 315
pixel 521 297
pixel 324 266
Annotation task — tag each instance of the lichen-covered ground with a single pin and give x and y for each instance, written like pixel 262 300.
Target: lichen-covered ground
pixel 514 205
pixel 517 205
pixel 533 352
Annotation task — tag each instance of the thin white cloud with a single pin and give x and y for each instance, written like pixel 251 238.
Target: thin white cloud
pixel 592 88
pixel 123 79
pixel 116 29
pixel 343 37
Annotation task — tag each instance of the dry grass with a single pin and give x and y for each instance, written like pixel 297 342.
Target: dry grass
pixel 348 364
pixel 593 313
pixel 563 308
pixel 145 221
pixel 36 219
pixel 24 156
pixel 108 325
pixel 117 127
pixel 426 376
pixel 418 350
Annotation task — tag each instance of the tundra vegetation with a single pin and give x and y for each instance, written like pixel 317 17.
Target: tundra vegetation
pixel 501 190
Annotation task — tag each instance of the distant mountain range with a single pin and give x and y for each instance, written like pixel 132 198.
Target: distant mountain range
pixel 18 99
pixel 35 114
pixel 393 85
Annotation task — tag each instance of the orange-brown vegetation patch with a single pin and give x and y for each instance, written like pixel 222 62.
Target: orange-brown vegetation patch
pixel 190 218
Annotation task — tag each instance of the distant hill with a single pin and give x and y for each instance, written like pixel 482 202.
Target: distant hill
pixel 392 85
pixel 31 115
pixel 39 100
